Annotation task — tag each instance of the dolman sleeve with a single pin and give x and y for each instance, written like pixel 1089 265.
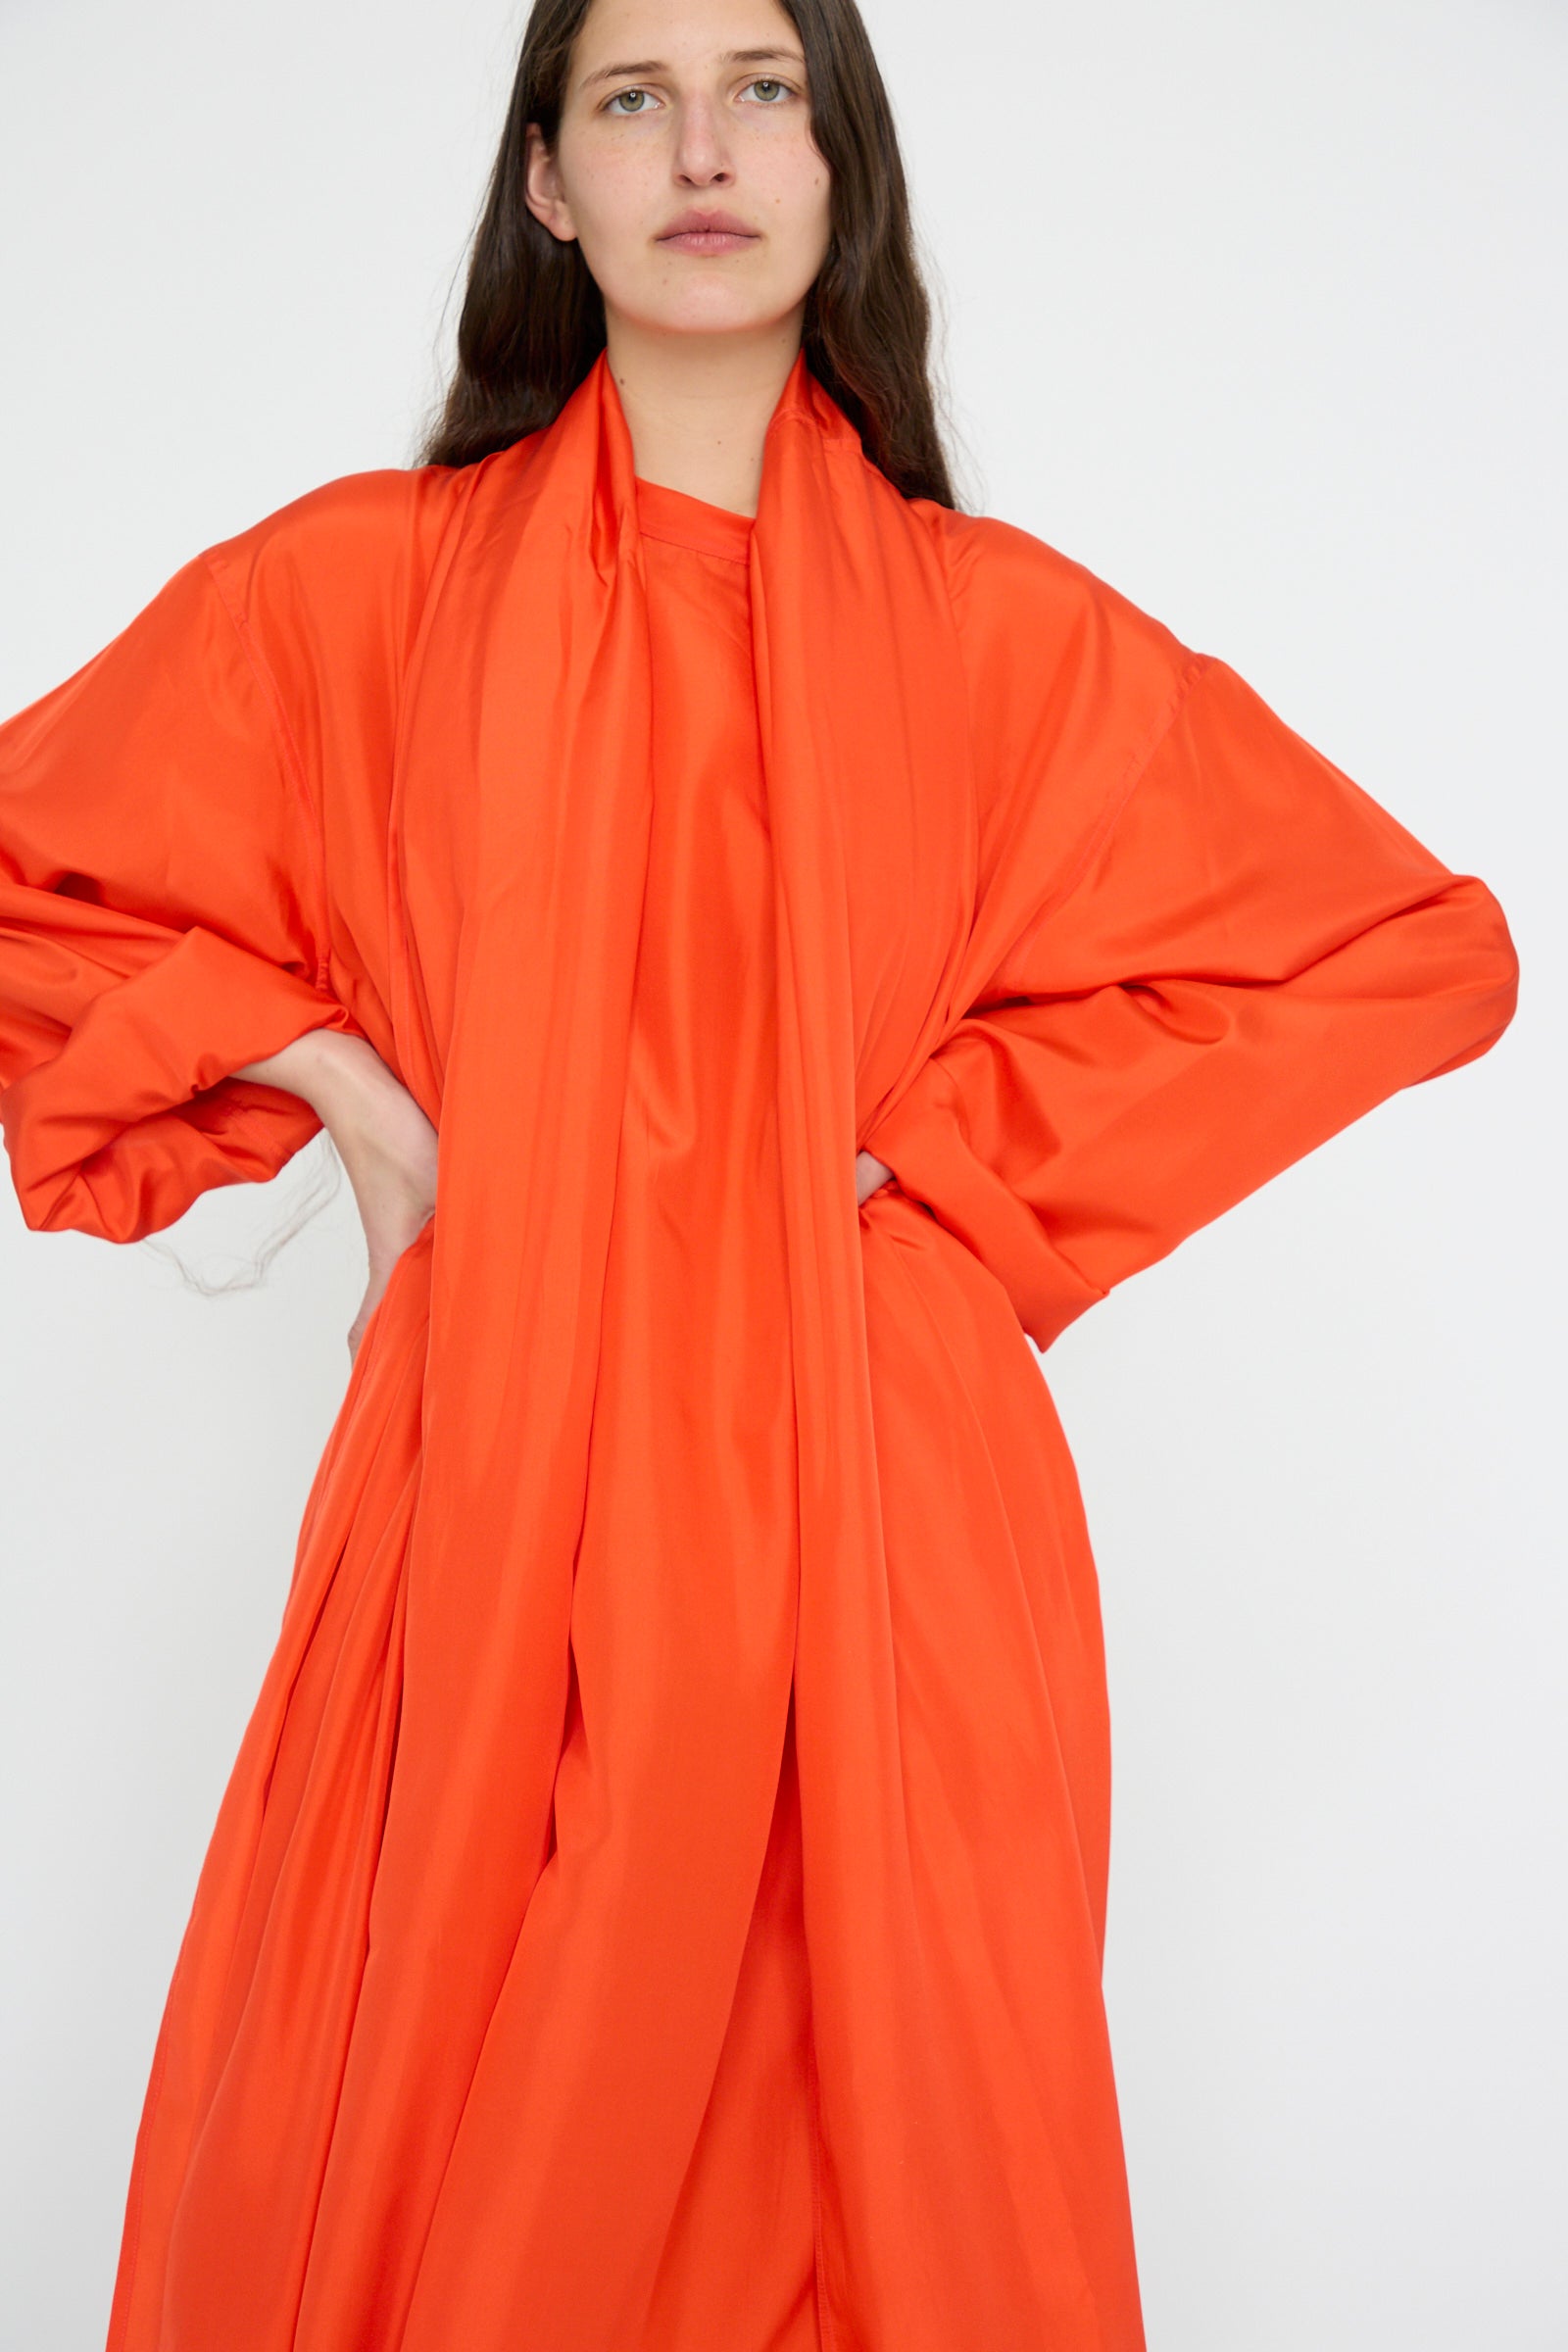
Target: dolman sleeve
pixel 1216 952
pixel 161 922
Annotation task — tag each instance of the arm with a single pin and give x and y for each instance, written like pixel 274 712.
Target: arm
pixel 189 832
pixel 1255 955
pixel 162 927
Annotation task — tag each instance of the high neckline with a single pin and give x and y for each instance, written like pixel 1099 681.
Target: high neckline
pixel 690 522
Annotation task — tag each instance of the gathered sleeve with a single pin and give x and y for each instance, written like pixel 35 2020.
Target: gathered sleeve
pixel 162 923
pixel 193 856
pixel 1250 953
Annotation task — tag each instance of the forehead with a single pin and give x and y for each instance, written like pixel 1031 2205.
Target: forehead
pixel 682 37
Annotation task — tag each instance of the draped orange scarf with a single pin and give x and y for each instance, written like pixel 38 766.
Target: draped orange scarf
pixel 525 802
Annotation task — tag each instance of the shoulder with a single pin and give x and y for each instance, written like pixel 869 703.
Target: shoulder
pixel 1015 594
pixel 1058 661
pixel 322 602
pixel 355 551
pixel 1071 685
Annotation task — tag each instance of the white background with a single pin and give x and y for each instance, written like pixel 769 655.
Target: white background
pixel 1256 309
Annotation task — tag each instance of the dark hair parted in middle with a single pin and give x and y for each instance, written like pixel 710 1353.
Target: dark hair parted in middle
pixel 533 319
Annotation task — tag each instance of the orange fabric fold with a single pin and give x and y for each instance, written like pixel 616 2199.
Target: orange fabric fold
pixel 674 1819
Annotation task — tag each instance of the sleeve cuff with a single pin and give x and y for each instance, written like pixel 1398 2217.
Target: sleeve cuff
pixel 921 1139
pixel 117 1133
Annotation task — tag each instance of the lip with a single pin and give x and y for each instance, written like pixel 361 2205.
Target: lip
pixel 698 232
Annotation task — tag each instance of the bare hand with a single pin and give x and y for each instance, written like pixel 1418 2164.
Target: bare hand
pixel 869 1176
pixel 382 1137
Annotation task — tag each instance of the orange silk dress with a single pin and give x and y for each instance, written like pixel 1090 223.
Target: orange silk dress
pixel 658 1902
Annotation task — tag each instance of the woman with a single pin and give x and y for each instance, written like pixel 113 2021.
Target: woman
pixel 659 1900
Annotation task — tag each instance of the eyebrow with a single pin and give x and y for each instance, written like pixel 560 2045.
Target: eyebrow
pixel 654 65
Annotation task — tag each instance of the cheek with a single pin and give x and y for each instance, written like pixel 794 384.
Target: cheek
pixel 614 206
pixel 797 197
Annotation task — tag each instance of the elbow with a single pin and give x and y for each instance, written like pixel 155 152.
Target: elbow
pixel 1482 986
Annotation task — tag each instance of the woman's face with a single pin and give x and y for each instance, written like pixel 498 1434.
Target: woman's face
pixel 688 107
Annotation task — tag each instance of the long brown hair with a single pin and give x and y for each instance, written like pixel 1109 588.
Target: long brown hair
pixel 533 318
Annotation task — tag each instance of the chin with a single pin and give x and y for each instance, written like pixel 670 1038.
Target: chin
pixel 705 319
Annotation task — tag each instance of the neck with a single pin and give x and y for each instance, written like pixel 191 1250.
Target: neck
pixel 698 406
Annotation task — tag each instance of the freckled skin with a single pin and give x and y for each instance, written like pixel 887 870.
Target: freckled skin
pixel 634 151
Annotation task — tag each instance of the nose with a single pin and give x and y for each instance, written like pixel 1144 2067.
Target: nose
pixel 702 156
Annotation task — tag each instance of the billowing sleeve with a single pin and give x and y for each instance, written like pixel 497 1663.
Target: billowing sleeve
pixel 162 923
pixel 1243 954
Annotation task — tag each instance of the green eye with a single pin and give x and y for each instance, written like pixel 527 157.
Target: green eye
pixel 765 81
pixel 632 94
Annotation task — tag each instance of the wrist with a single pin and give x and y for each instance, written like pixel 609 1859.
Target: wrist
pixel 325 1067
pixel 339 1074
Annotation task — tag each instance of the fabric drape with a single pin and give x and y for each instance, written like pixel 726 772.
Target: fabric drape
pixel 1071 931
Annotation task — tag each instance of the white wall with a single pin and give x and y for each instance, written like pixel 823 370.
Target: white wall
pixel 1256 309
